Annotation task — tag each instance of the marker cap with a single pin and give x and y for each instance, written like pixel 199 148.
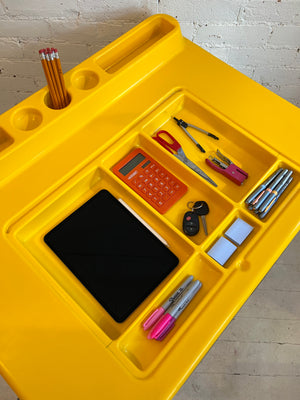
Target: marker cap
pixel 154 317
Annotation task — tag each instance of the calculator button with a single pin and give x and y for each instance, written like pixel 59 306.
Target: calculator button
pixel 150 185
pixel 157 170
pixel 147 171
pixel 176 187
pixel 160 203
pixel 171 192
pixel 167 179
pixel 145 190
pixel 141 176
pixel 161 184
pixel 172 182
pixel 150 194
pixel 135 181
pixel 146 180
pixel 140 186
pixel 162 174
pixel 156 179
pixel 160 193
pixel 155 189
pixel 152 166
pixel 166 188
pixel 155 199
pixel 166 196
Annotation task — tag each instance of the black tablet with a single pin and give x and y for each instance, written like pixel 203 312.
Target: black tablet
pixel 117 259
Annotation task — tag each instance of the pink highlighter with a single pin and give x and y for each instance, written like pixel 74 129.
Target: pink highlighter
pixel 167 322
pixel 154 317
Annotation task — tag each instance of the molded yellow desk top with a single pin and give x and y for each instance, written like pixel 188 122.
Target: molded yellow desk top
pixel 56 341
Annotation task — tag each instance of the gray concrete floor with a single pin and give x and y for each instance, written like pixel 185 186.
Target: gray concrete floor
pixel 258 356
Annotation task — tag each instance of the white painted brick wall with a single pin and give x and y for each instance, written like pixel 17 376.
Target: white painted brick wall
pixel 260 38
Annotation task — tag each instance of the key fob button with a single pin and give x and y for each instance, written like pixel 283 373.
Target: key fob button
pixel 190 224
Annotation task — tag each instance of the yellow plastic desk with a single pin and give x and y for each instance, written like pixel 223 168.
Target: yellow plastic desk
pixel 56 341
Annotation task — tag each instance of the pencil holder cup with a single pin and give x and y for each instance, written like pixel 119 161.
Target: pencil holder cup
pixel 49 103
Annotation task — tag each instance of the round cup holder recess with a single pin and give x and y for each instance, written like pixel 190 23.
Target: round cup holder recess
pixel 85 79
pixel 27 119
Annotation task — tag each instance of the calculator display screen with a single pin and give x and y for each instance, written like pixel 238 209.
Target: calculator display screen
pixel 132 164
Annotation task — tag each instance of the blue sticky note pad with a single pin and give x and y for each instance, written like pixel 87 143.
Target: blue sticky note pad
pixel 238 231
pixel 222 250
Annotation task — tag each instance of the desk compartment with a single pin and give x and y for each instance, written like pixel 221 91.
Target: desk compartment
pixel 234 141
pixel 29 234
pixel 141 354
pixel 128 340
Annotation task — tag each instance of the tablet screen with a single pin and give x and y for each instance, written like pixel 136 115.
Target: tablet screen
pixel 118 260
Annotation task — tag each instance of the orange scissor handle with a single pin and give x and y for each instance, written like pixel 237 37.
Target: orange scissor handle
pixel 173 145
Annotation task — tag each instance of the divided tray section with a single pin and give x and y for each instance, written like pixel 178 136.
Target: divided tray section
pixel 33 126
pixel 158 37
pixel 234 142
pixel 28 235
pixel 92 85
pixel 140 354
pixel 198 189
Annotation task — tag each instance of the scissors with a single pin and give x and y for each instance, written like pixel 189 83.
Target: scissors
pixel 175 148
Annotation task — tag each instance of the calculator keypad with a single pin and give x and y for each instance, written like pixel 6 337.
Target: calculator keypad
pixel 156 187
pixel 154 183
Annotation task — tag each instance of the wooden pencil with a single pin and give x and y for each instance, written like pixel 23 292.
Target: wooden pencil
pixel 61 76
pixel 50 66
pixel 57 78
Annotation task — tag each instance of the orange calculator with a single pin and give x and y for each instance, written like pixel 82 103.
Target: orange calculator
pixel 150 180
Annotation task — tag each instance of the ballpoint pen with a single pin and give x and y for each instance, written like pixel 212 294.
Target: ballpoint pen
pixel 274 192
pixel 154 317
pixel 167 322
pixel 262 187
pixel 268 208
pixel 270 187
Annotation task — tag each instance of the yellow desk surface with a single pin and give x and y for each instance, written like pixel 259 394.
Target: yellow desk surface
pixel 56 341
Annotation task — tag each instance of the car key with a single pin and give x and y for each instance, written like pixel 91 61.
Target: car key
pixel 201 208
pixel 190 223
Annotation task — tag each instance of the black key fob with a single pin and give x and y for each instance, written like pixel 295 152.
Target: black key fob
pixel 190 223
